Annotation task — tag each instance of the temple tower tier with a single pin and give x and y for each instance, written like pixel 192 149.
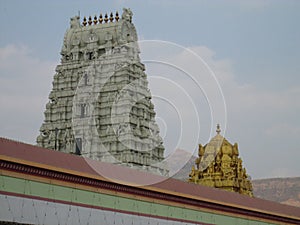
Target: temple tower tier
pixel 219 165
pixel 100 105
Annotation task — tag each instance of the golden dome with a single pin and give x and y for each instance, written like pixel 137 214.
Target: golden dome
pixel 218 165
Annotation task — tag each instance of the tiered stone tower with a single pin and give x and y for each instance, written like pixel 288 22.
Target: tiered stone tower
pixel 100 105
pixel 218 165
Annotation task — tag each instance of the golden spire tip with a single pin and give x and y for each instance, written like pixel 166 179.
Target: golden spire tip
pixel 218 129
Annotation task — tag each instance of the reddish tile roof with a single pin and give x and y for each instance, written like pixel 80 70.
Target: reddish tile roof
pixel 72 164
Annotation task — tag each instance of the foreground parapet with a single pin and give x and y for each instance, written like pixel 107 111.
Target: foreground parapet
pixel 41 186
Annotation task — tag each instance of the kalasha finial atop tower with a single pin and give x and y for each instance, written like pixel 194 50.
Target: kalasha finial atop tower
pixel 218 129
pixel 90 21
pixel 117 16
pixel 95 20
pixel 100 18
pixel 111 17
pixel 106 18
pixel 84 21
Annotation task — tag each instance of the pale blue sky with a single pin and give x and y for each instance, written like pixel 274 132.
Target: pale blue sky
pixel 257 42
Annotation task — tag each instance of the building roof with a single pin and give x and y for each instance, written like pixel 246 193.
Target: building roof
pixel 139 182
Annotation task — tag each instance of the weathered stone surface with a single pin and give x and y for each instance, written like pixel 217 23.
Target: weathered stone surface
pixel 100 105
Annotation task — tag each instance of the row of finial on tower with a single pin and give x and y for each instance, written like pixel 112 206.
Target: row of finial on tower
pixel 111 18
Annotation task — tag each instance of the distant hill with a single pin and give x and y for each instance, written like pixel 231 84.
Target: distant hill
pixel 282 190
pixel 183 173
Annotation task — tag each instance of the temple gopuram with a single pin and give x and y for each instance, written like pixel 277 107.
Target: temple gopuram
pixel 218 165
pixel 100 105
